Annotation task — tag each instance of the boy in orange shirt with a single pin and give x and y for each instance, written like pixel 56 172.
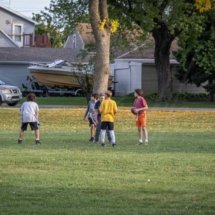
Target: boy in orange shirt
pixel 139 109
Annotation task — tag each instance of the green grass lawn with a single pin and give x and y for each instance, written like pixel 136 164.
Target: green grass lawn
pixel 174 174
pixel 121 101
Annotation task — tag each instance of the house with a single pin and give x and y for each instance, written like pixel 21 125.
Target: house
pixel 133 69
pixel 14 62
pixel 136 69
pixel 81 38
pixel 17 30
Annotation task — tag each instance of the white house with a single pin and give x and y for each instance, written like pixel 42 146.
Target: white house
pixel 136 69
pixel 16 30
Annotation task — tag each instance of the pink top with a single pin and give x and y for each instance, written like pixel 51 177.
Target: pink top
pixel 140 102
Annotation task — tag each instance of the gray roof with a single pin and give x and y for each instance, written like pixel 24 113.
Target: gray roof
pixel 17 14
pixel 39 55
pixel 146 51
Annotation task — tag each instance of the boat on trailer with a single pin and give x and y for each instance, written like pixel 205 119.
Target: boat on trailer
pixel 60 74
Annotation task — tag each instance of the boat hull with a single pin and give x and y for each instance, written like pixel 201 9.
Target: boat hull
pixel 56 79
pixel 61 77
pixel 64 77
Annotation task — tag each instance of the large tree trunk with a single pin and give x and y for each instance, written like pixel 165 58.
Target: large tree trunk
pixel 211 89
pixel 163 40
pixel 98 12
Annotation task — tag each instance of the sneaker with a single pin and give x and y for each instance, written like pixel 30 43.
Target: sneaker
pixel 102 144
pixel 113 144
pixel 91 139
pixel 37 142
pixel 19 141
pixel 95 141
pixel 140 142
pixel 146 142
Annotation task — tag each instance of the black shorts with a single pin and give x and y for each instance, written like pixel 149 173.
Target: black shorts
pixel 91 121
pixel 107 125
pixel 34 126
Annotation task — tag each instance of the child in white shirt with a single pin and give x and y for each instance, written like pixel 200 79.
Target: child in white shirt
pixel 30 114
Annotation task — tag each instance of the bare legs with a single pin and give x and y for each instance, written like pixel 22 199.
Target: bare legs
pixel 36 133
pixel 143 134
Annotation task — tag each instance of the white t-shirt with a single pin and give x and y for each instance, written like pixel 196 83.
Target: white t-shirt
pixel 29 111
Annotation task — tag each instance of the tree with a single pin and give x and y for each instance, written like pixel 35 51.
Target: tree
pixel 46 27
pixel 98 11
pixel 67 14
pixel 61 18
pixel 197 53
pixel 165 20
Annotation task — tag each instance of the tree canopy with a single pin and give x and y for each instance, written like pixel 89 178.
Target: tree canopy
pixel 166 20
pixel 196 55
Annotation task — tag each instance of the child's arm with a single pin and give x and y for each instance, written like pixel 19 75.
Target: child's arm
pixel 87 110
pixel 144 104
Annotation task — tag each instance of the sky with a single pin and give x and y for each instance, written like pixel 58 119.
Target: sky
pixel 26 7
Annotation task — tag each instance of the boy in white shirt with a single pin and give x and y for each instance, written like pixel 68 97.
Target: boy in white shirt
pixel 30 114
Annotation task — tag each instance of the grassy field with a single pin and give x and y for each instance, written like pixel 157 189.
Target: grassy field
pixel 174 174
pixel 121 101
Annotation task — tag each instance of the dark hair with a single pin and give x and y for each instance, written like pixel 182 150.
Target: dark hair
pixel 101 94
pixel 31 97
pixel 108 93
pixel 139 92
pixel 94 95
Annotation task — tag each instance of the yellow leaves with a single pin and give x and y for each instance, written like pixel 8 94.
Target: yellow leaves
pixel 67 121
pixel 203 5
pixel 111 25
pixel 114 26
pixel 102 24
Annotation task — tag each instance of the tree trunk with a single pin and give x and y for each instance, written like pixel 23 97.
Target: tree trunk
pixel 98 12
pixel 163 40
pixel 211 89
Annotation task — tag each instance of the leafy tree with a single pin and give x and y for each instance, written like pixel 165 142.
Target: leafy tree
pixel 166 20
pixel 196 56
pixel 46 27
pixel 65 14
pixel 61 18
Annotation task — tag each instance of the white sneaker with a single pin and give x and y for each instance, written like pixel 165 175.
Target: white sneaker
pixel 140 141
pixel 146 142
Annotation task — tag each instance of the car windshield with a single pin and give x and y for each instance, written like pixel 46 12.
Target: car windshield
pixel 2 82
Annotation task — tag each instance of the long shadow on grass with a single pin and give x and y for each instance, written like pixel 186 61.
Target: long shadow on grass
pixel 159 142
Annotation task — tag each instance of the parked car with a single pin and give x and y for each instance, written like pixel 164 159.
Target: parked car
pixel 9 94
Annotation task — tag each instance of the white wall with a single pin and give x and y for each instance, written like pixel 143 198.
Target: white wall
pixel 5 42
pixel 127 74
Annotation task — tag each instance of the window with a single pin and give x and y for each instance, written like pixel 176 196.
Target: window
pixel 74 41
pixel 18 33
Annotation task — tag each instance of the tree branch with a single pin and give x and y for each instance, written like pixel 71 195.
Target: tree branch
pixel 103 12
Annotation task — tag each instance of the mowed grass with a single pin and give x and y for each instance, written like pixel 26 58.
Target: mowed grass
pixel 174 174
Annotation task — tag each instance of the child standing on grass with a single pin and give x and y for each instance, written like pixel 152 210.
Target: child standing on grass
pixel 139 108
pixel 98 118
pixel 108 109
pixel 30 115
pixel 90 114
